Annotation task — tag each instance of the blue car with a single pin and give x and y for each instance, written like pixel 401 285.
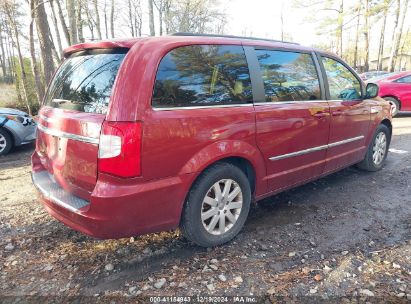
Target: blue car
pixel 16 128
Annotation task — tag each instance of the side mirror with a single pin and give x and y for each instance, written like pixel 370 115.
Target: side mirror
pixel 371 91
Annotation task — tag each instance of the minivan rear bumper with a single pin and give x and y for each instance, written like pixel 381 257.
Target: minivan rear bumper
pixel 116 209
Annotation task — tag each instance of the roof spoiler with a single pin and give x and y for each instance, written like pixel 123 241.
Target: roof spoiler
pixel 101 45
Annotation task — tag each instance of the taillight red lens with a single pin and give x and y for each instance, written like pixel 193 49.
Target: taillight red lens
pixel 119 149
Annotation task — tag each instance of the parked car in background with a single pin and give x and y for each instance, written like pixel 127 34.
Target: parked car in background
pixel 151 134
pixel 396 88
pixel 371 74
pixel 16 128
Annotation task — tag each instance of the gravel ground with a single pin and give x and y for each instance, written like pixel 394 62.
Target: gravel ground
pixel 344 236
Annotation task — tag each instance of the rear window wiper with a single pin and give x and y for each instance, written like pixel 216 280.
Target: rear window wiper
pixel 60 101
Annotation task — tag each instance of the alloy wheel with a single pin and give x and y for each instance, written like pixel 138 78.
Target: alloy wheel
pixel 3 143
pixel 379 149
pixel 221 206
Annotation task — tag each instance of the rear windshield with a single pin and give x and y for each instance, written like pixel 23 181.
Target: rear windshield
pixel 84 82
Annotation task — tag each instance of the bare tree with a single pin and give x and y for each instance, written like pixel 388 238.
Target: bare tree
pixel 105 18
pixel 112 18
pixel 404 43
pixel 71 12
pixel 34 65
pixel 328 25
pixel 9 49
pixel 10 9
pixel 163 7
pixel 197 16
pixel 151 17
pixel 282 21
pixel 397 33
pixel 357 34
pixel 366 34
pixel 98 24
pixel 79 21
pixel 130 18
pixel 56 27
pixel 3 52
pixel 63 22
pixel 135 17
pixel 90 21
pixel 46 44
pixel 340 28
pixel 385 5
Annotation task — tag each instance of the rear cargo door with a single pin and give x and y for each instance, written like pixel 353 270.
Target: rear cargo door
pixel 70 122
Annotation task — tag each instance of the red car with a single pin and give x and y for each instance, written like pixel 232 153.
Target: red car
pixel 150 134
pixel 396 88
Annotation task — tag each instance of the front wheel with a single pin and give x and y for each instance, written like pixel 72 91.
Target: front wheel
pixel 217 205
pixel 378 150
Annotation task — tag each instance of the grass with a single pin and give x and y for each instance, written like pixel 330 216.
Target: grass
pixel 8 96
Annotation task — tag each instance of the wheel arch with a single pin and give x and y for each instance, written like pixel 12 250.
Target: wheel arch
pixel 243 164
pixel 394 97
pixel 12 136
pixel 388 124
pixel 239 153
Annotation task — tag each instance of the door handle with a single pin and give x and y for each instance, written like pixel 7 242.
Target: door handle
pixel 320 114
pixel 337 113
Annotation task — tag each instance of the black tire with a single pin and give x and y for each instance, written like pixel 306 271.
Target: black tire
pixel 395 103
pixel 6 139
pixel 369 164
pixel 192 225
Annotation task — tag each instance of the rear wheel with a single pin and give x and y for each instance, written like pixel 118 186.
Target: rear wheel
pixel 377 150
pixel 5 142
pixel 217 206
pixel 395 105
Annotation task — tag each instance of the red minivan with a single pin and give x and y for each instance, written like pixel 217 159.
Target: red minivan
pixel 151 134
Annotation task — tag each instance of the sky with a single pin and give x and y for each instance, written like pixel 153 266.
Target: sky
pixel 262 18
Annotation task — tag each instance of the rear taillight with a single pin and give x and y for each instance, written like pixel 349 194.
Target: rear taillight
pixel 119 149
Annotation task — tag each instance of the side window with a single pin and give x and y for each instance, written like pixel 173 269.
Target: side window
pixel 288 76
pixel 406 79
pixel 342 83
pixel 202 75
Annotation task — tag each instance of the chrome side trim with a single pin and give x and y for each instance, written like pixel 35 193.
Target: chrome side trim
pixel 204 107
pixel 239 105
pixel 298 153
pixel 346 141
pixel 289 102
pixel 72 136
pixel 315 149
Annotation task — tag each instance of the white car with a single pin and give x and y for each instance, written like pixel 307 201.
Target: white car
pixel 16 128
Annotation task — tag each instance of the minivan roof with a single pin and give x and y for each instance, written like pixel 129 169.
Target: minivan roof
pixel 189 39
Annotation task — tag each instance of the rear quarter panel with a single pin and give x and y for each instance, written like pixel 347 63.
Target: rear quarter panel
pixel 177 142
